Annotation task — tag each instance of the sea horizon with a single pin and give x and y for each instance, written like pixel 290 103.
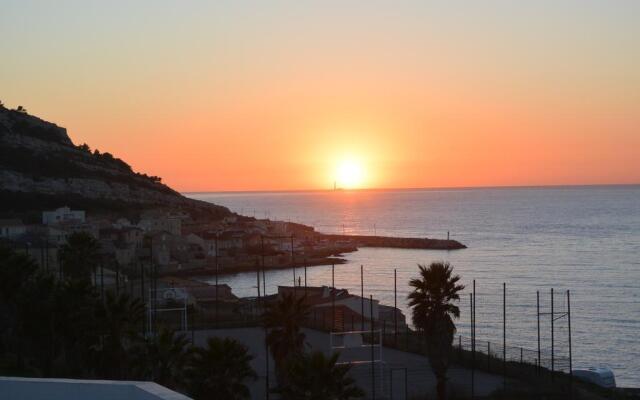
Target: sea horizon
pixel 426 188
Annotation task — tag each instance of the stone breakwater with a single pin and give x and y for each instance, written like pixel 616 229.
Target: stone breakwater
pixel 397 242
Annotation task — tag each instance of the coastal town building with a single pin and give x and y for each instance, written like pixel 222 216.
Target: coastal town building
pixel 62 215
pixel 154 222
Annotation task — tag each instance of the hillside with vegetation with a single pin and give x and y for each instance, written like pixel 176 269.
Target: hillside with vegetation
pixel 41 167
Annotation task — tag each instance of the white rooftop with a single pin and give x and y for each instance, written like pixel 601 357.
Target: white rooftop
pixel 72 389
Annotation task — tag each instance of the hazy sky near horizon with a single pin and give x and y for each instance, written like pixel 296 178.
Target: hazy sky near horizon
pixel 273 95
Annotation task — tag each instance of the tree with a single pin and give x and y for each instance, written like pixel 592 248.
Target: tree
pixel 317 377
pixel 433 312
pixel 79 256
pixel 283 320
pixel 119 328
pixel 23 291
pixel 75 326
pixel 46 326
pixel 220 370
pixel 21 109
pixel 163 358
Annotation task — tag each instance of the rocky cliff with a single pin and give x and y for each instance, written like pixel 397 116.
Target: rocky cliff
pixel 40 167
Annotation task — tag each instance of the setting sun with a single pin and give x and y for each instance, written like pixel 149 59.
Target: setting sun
pixel 349 175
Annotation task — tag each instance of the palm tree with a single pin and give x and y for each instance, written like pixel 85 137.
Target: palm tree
pixel 79 256
pixel 120 318
pixel 317 377
pixel 220 370
pixel 162 358
pixel 433 312
pixel 75 324
pixel 283 320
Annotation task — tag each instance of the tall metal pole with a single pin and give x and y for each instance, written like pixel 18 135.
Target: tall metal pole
pixel 473 355
pixel 538 312
pixel 266 347
pixel 264 280
pixel 395 306
pixel 373 368
pixel 552 340
pixel 262 262
pixel 504 334
pixel 305 276
pixel 362 296
pixel 293 264
pixel 569 333
pixel 144 328
pixel 217 268
pixel 474 316
pixel 333 298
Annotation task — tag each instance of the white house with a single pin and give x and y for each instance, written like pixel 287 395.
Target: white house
pixel 63 214
pixel 11 228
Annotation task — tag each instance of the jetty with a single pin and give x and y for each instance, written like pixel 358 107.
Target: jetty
pixel 395 242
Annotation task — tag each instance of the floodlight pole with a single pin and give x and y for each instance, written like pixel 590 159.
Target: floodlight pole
pixel 570 352
pixel 395 306
pixel 473 354
pixel 373 367
pixel 553 367
pixel 362 296
pixel 217 267
pixel 504 334
pixel 538 312
pixel 333 298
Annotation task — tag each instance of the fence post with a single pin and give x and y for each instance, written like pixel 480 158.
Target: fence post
pixel 373 367
pixel 538 362
pixel 362 296
pixel 473 353
pixel 333 298
pixel 488 356
pixel 521 355
pixel 504 335
pixel 570 352
pixel 395 307
pixel 553 366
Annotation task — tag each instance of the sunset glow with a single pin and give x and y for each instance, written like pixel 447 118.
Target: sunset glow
pixel 349 175
pixel 225 96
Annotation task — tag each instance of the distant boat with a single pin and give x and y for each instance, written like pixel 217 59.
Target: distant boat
pixel 602 376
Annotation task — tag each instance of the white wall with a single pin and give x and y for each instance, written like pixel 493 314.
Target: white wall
pixel 72 389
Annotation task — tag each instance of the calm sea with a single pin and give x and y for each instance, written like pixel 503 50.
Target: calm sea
pixel 582 239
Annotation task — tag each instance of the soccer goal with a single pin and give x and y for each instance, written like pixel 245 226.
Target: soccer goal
pixel 169 306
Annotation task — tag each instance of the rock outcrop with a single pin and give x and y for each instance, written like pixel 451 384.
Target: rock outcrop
pixel 40 164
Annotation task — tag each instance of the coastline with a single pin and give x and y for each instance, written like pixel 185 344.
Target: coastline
pixel 340 245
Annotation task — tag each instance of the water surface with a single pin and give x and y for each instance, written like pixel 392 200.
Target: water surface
pixel 582 239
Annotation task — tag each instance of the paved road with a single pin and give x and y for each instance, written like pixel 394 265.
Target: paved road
pixel 389 375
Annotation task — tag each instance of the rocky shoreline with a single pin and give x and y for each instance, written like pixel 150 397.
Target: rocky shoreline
pixel 343 244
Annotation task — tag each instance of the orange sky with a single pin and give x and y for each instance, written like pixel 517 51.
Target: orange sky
pixel 240 96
